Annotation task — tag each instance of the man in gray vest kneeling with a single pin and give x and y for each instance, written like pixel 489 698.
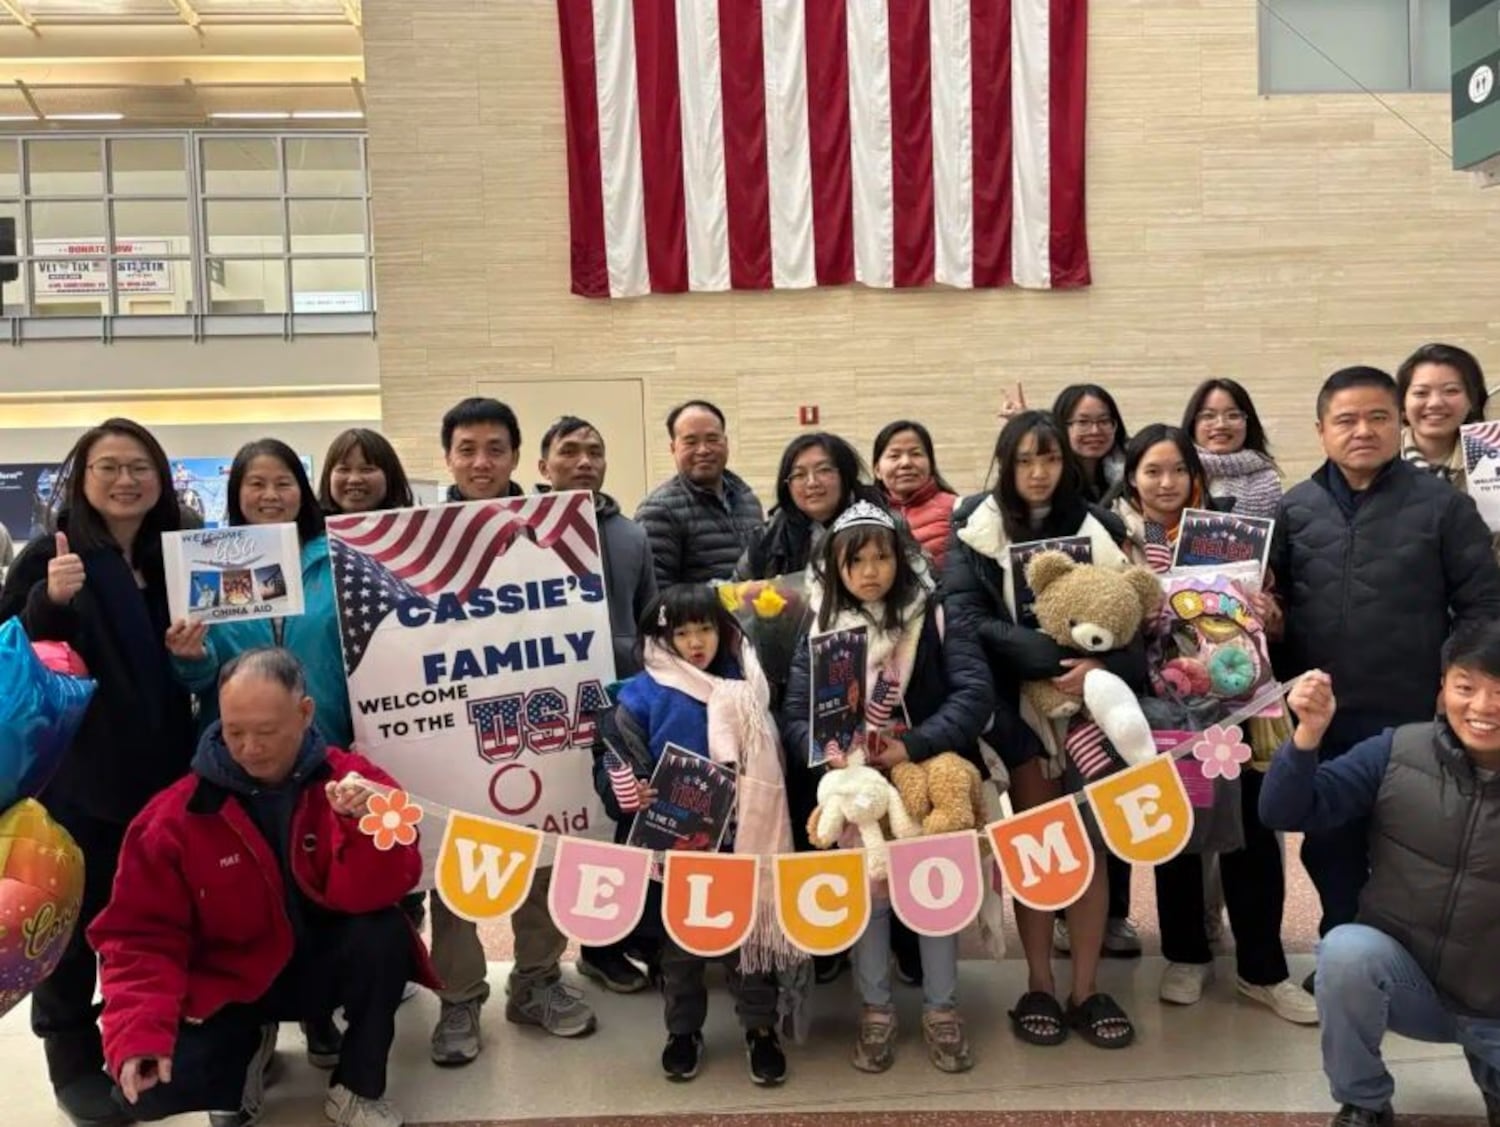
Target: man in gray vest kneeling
pixel 1420 959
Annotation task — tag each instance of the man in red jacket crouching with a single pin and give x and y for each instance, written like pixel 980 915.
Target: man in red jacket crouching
pixel 246 895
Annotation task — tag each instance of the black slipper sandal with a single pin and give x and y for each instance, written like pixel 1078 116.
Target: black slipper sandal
pixel 1101 1022
pixel 1038 1019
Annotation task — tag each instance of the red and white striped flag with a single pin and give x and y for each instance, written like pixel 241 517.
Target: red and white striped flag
pixel 759 144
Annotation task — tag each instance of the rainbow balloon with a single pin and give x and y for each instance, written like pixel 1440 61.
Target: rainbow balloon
pixel 41 888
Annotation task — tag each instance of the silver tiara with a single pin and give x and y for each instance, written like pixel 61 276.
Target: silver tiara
pixel 863 512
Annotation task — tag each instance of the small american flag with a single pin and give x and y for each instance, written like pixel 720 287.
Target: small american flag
pixel 882 703
pixel 382 559
pixel 1159 549
pixel 622 782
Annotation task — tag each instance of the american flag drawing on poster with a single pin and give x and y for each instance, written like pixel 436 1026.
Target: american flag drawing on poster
pixel 759 144
pixel 1481 442
pixel 383 559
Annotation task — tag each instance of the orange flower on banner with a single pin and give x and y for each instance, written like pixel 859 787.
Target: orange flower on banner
pixel 392 820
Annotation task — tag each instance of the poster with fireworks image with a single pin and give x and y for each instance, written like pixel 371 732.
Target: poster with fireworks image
pixel 1207 539
pixel 693 805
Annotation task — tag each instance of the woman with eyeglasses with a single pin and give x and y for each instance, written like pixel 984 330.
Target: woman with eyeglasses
pixel 1096 435
pixel 1232 447
pixel 98 584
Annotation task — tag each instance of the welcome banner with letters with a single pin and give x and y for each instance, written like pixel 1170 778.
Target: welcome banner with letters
pixel 477 646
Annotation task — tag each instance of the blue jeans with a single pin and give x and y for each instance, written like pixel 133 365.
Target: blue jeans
pixel 872 964
pixel 1368 984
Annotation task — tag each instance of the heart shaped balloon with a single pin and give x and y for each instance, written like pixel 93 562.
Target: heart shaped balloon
pixel 40 711
pixel 41 887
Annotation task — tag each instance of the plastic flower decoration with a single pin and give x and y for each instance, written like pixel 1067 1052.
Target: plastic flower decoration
pixel 392 820
pixel 1221 751
pixel 769 603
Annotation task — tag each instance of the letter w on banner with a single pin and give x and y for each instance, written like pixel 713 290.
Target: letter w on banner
pixel 485 868
pixel 759 144
pixel 1044 855
pixel 477 645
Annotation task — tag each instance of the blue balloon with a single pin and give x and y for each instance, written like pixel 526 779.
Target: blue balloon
pixel 40 712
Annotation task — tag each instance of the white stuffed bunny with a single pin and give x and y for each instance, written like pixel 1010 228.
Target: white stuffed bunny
pixel 859 796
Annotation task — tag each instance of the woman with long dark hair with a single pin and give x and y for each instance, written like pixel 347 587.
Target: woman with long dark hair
pixel 907 472
pixel 97 583
pixel 1233 449
pixel 1096 435
pixel 1441 387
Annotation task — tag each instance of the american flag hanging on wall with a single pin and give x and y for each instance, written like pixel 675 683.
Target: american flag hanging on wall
pixel 760 144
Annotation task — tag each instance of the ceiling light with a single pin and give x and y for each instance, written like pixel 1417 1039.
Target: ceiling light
pixel 251 115
pixel 85 117
pixel 328 115
pixel 18 117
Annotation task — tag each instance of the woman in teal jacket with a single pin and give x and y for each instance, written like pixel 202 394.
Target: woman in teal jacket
pixel 267 485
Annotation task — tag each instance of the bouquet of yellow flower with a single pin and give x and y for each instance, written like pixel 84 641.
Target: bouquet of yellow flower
pixel 774 614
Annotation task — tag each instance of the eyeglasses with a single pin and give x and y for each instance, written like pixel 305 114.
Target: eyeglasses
pixel 106 470
pixel 1233 418
pixel 1104 423
pixel 823 472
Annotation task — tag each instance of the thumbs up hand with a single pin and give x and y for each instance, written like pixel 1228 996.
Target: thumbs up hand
pixel 64 574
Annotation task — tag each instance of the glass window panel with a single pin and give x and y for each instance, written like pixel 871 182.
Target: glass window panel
pixel 148 166
pixel 240 166
pixel 165 221
pixel 1367 38
pixel 245 227
pixel 324 166
pixel 152 287
pixel 328 226
pixel 64 167
pixel 330 285
pixel 67 226
pixel 64 287
pixel 256 285
pixel 10 167
pixel 1432 53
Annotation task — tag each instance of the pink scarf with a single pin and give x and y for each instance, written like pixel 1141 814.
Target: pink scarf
pixel 742 735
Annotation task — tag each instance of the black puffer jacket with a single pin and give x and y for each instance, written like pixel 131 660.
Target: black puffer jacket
pixel 784 547
pixel 1371 598
pixel 948 700
pixel 696 534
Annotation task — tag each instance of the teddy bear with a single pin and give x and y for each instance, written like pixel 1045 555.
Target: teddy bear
pixel 859 796
pixel 942 793
pixel 1094 609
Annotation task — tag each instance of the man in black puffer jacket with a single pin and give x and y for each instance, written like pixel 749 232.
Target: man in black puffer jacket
pixel 1376 563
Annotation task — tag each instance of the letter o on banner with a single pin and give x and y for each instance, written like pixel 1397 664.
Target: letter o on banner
pixel 823 899
pixel 485 868
pixel 598 890
pixel 709 900
pixel 1045 855
pixel 936 883
pixel 1143 813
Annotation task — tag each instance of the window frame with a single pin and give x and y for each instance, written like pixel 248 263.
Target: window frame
pixel 1266 21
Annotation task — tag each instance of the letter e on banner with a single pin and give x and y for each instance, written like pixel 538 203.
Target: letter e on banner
pixel 598 890
pixel 935 882
pixel 708 901
pixel 1144 812
pixel 485 868
pixel 1045 855
pixel 823 899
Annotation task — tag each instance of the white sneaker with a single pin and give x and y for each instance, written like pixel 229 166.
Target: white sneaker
pixel 1182 983
pixel 1286 999
pixel 348 1110
pixel 1121 940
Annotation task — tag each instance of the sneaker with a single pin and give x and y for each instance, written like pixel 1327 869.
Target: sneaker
pixel 611 970
pixel 682 1056
pixel 456 1040
pixel 1351 1116
pixel 348 1110
pixel 555 1006
pixel 1121 940
pixel 947 1047
pixel 1182 983
pixel 89 1102
pixel 1287 1000
pixel 1062 942
pixel 875 1048
pixel 257 1072
pixel 767 1061
pixel 324 1042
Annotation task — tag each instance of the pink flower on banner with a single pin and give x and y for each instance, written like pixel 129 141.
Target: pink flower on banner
pixel 1221 751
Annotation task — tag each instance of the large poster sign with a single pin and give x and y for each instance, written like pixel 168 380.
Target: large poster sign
pixel 62 270
pixel 25 495
pixel 477 647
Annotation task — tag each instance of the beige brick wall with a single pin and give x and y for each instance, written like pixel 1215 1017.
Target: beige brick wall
pixel 1270 239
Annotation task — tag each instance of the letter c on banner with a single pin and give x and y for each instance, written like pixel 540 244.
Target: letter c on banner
pixel 1144 812
pixel 823 899
pixel 485 868
pixel 1045 855
pixel 708 901
pixel 598 890
pixel 936 883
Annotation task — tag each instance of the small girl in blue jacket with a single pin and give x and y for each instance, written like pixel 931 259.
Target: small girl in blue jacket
pixel 702 690
pixel 928 691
